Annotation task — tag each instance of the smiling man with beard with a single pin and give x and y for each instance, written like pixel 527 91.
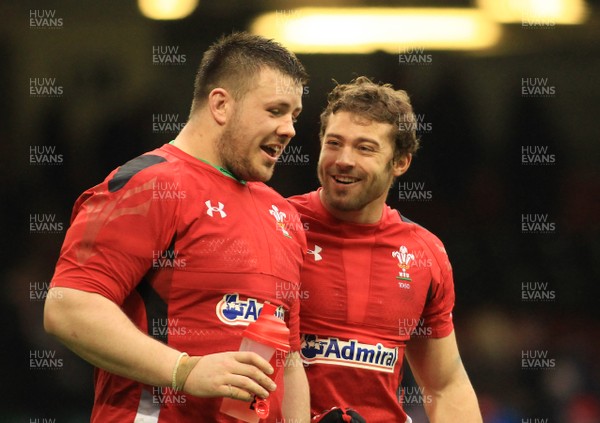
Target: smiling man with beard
pixel 378 285
pixel 173 255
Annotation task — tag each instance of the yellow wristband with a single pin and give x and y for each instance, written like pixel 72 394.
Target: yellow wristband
pixel 174 377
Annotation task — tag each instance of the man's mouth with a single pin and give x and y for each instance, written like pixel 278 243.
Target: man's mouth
pixel 273 150
pixel 344 179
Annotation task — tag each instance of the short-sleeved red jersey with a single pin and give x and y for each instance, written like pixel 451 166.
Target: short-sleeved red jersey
pixel 366 290
pixel 190 255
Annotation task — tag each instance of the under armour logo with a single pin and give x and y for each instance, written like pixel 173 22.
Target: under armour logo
pixel 212 209
pixel 316 252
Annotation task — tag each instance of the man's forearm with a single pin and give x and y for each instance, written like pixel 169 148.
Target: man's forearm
pixel 97 330
pixel 296 400
pixel 457 402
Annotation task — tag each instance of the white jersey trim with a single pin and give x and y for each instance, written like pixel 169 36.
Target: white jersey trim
pixel 148 411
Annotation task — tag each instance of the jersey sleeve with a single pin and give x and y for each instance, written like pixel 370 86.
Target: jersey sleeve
pixel 294 326
pixel 437 314
pixel 117 229
pixel 294 323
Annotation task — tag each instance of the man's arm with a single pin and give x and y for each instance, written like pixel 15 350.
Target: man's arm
pixel 296 399
pixel 96 329
pixel 438 369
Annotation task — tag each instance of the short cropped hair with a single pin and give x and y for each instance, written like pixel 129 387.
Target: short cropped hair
pixel 234 61
pixel 379 103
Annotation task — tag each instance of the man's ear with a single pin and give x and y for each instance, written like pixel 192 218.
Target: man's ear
pixel 219 105
pixel 401 164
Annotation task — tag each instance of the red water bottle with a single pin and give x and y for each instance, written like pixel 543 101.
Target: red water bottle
pixel 266 336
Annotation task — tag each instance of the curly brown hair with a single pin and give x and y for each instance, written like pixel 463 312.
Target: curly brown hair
pixel 379 103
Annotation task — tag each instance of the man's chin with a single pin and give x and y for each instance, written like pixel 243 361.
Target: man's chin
pixel 340 202
pixel 259 175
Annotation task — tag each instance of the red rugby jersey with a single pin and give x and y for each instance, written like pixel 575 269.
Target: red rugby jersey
pixel 366 289
pixel 190 254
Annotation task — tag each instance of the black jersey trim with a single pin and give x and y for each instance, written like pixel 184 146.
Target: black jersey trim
pixel 131 168
pixel 157 309
pixel 430 289
pixel 407 220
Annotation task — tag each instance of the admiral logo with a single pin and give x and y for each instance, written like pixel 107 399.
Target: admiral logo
pixel 348 353
pixel 42 420
pixel 233 311
pixel 534 420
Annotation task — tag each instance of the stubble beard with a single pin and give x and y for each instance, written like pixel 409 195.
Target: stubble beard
pixel 345 201
pixel 238 162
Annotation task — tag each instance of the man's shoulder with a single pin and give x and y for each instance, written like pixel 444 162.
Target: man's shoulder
pixel 301 202
pixel 421 232
pixel 157 164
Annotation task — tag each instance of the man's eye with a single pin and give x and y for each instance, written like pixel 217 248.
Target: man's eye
pixel 276 112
